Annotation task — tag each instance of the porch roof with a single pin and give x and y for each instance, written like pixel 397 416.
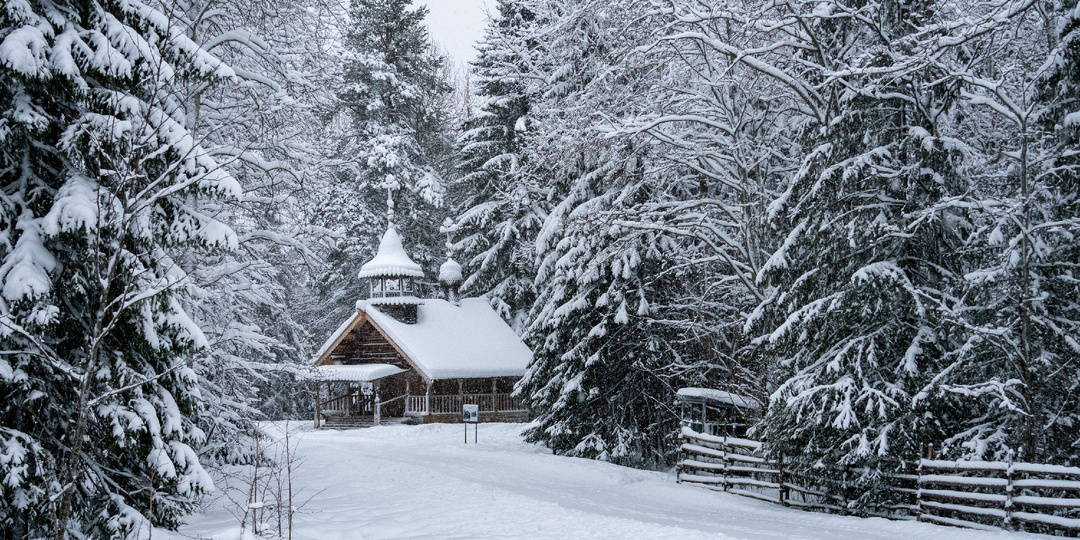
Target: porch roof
pixel 718 396
pixel 354 373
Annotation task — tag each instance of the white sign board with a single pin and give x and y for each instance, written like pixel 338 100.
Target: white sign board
pixel 470 413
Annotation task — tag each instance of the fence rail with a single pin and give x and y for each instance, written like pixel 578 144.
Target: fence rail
pixel 989 495
pixel 999 495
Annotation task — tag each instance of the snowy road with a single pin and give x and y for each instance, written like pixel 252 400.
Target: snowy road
pixel 422 482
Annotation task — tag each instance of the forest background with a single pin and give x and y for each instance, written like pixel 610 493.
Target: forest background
pixel 863 213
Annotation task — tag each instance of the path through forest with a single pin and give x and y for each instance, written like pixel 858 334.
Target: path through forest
pixel 423 482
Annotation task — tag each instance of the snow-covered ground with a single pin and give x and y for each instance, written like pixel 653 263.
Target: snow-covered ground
pixel 423 482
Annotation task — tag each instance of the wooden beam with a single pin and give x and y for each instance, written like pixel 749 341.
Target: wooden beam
pixel 357 319
pixel 411 362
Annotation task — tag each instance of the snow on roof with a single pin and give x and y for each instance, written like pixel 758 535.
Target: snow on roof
pixel 721 397
pixel 449 342
pixel 391 259
pixel 395 300
pixel 450 272
pixel 354 373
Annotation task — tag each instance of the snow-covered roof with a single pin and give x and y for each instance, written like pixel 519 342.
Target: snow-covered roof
pixel 449 342
pixel 354 373
pixel 395 300
pixel 720 396
pixel 391 259
pixel 450 272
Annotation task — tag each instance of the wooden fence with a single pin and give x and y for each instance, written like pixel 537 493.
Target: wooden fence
pixel 981 495
pixel 999 495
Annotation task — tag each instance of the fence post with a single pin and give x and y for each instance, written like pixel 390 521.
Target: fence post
pixel 780 480
pixel 918 490
pixel 682 457
pixel 1008 524
pixel 318 397
pixel 726 463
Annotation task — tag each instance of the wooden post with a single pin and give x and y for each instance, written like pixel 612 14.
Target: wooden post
pixel 1007 524
pixel 375 392
pixel 726 463
pixel 682 458
pixel 918 491
pixel 780 481
pixel 318 388
pixel 494 398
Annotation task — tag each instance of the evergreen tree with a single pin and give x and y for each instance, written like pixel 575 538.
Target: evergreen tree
pixel 394 135
pixel 102 186
pixel 1016 372
pixel 1056 230
pixel 499 211
pixel 609 346
pixel 865 241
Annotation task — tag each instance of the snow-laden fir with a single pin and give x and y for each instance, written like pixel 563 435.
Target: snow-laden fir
pixel 864 216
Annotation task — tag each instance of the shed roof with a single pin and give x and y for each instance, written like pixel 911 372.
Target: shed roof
pixel 720 396
pixel 391 259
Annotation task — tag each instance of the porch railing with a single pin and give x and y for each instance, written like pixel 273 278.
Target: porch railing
pixel 421 405
pixel 451 404
pixel 416 406
pixel 346 404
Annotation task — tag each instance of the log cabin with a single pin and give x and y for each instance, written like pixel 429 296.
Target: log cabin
pixel 400 358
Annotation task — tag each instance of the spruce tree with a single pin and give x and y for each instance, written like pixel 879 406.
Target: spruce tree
pixel 499 211
pixel 102 187
pixel 610 348
pixel 394 136
pixel 1017 371
pixel 865 243
pixel 1056 198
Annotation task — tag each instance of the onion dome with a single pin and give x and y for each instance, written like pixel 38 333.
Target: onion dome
pixel 450 272
pixel 391 260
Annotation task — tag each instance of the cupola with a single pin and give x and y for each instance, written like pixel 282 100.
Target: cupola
pixel 391 274
pixel 391 277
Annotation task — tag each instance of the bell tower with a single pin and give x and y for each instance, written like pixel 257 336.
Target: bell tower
pixel 391 274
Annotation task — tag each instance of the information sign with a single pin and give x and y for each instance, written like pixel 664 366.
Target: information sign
pixel 470 413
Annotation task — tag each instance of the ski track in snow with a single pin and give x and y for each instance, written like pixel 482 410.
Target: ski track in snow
pixel 422 482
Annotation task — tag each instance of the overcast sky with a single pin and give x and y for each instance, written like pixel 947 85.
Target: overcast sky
pixel 457 25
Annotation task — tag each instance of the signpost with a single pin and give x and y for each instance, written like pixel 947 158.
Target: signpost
pixel 470 414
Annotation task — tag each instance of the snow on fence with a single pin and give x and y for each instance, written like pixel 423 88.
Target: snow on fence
pixel 999 495
pixel 737 466
pixel 974 494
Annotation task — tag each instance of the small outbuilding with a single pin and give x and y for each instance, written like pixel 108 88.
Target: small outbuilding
pixel 402 358
pixel 717 412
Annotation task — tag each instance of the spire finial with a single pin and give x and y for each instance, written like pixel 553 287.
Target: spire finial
pixel 449 228
pixel 391 184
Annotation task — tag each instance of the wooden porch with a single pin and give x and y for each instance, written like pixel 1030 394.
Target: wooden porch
pixel 360 405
